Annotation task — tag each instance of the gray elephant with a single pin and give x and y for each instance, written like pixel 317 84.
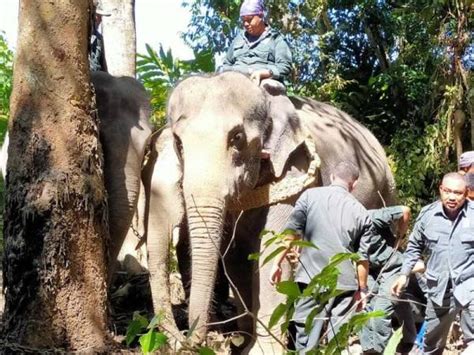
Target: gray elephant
pixel 124 110
pixel 208 168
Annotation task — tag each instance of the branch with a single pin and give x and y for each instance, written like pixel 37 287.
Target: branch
pixel 237 293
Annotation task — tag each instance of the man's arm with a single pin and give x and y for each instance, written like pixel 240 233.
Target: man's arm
pixel 297 224
pixel 412 255
pixel 362 274
pixel 276 272
pixel 363 263
pixel 229 59
pixel 283 59
pixel 404 221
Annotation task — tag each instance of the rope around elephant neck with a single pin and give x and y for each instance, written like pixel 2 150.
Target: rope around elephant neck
pixel 284 189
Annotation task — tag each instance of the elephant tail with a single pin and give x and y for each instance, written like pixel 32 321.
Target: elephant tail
pixel 390 195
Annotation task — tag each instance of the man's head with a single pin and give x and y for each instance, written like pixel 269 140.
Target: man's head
pixel 345 173
pixel 469 178
pixel 466 162
pixel 98 12
pixel 453 193
pixel 251 13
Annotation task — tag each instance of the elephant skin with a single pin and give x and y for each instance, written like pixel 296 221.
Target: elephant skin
pixel 209 156
pixel 124 111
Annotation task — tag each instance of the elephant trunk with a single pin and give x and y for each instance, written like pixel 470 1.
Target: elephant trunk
pixel 205 220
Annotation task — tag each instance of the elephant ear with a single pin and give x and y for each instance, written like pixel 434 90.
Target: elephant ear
pixel 285 132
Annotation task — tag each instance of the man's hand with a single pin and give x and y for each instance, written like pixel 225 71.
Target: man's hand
pixel 419 267
pixel 399 285
pixel 293 256
pixel 258 75
pixel 361 297
pixel 275 274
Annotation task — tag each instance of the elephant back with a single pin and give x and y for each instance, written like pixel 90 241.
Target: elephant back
pixel 339 137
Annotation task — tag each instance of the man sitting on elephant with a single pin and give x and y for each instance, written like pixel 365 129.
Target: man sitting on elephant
pixel 259 50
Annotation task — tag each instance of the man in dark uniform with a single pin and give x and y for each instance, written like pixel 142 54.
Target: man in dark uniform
pixel 331 218
pixel 385 264
pixel 96 51
pixel 445 231
pixel 466 168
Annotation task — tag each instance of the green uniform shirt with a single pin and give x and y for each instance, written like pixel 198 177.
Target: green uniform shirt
pixel 332 219
pixel 449 249
pixel 269 51
pixel 382 244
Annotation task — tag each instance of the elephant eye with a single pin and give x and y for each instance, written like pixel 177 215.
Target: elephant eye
pixel 238 140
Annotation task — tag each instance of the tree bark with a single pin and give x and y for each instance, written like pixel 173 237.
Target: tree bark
pixel 119 36
pixel 55 218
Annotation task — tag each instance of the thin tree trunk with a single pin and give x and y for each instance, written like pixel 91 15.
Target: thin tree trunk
pixel 55 227
pixel 119 36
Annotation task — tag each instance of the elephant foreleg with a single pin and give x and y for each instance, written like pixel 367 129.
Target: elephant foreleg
pixel 263 298
pixel 132 256
pixel 166 213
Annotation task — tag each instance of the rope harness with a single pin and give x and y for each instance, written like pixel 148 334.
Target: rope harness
pixel 278 191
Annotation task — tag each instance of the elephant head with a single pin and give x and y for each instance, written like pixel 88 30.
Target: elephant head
pixel 220 124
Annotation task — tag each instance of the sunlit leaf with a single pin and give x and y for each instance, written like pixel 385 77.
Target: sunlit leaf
pixel 395 339
pixel 277 313
pixel 289 288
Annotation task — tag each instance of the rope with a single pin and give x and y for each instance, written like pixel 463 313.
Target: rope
pixel 274 192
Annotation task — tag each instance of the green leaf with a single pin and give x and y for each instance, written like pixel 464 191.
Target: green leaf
pixel 270 241
pixel 289 232
pixel 133 330
pixel 192 328
pixel 157 319
pixel 152 341
pixel 303 244
pixel 308 325
pixel 254 256
pixel 278 312
pixel 206 351
pixel 138 317
pixel 341 257
pixel 289 288
pixel 264 232
pixel 273 254
pixel 393 342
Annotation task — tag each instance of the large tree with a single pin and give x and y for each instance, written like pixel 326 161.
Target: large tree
pixel 120 36
pixel 55 219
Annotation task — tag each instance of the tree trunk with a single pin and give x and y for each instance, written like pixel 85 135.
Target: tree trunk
pixel 55 219
pixel 119 36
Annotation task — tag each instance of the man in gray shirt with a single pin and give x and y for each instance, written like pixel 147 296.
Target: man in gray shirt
pixel 385 264
pixel 332 219
pixel 445 232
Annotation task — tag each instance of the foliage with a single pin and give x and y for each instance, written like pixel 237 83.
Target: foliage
pixel 160 71
pixel 152 339
pixel 403 68
pixel 322 288
pixel 6 76
pixel 393 342
pixel 149 337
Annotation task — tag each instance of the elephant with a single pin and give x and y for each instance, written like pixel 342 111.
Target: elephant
pixel 211 184
pixel 123 108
